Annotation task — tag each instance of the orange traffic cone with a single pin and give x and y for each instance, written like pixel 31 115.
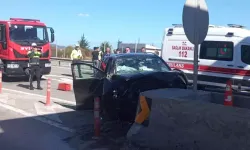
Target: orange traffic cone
pixel 228 98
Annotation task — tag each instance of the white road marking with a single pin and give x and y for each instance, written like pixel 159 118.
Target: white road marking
pixel 62 67
pixel 48 111
pixel 62 78
pixel 52 98
pixel 66 80
pixel 38 118
pixel 4 98
pixel 46 78
pixel 52 75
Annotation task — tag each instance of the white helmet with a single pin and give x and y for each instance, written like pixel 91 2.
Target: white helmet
pixel 33 44
pixel 77 45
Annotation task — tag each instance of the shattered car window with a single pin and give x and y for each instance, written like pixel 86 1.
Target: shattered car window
pixel 139 64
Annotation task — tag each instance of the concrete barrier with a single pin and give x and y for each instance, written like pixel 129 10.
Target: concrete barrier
pixel 180 119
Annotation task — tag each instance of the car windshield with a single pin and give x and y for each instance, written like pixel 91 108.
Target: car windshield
pixel 140 64
pixel 27 34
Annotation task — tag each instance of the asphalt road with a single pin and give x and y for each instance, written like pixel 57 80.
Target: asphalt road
pixel 57 75
pixel 24 133
pixel 20 133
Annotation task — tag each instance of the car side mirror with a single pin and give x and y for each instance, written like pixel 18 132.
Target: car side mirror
pixel 52 37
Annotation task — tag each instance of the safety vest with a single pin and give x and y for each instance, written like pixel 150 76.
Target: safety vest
pixel 76 54
pixel 100 55
pixel 34 57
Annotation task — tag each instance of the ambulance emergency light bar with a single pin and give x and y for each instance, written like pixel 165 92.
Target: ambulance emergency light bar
pixel 236 26
pixel 230 34
pixel 177 25
pixel 21 19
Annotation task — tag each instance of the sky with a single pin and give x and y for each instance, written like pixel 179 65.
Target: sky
pixel 110 20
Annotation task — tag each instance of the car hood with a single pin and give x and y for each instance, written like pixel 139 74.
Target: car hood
pixel 145 81
pixel 158 75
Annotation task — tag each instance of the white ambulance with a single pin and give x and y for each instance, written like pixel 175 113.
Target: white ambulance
pixel 224 55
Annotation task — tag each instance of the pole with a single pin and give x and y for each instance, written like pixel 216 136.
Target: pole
pixel 1 81
pixel 64 53
pixel 97 123
pixel 48 92
pixel 195 67
pixel 56 50
pixel 195 56
pixel 135 46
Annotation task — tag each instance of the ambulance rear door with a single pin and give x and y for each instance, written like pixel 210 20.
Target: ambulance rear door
pixel 242 74
pixel 217 60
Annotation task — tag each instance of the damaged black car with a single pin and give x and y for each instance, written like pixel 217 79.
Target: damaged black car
pixel 118 82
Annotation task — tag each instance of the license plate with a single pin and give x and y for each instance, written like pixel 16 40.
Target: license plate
pixel 48 65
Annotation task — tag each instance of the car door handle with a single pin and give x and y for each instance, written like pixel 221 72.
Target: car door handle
pixel 240 66
pixel 230 65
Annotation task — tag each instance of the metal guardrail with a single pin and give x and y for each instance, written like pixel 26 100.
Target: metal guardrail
pixel 60 60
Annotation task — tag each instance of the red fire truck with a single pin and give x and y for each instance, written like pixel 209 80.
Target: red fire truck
pixel 16 37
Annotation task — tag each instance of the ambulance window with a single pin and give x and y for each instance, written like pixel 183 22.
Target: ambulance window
pixel 217 50
pixel 245 54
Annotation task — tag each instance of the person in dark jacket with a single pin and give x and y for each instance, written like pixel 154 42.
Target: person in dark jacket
pixel 107 53
pixel 34 63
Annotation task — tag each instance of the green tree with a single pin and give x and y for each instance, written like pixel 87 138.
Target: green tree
pixel 53 51
pixel 60 53
pixel 104 45
pixel 84 44
pixel 67 51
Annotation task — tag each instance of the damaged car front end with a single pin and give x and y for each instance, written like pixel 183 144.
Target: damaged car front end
pixel 120 83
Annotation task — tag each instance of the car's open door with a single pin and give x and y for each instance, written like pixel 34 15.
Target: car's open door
pixel 87 83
